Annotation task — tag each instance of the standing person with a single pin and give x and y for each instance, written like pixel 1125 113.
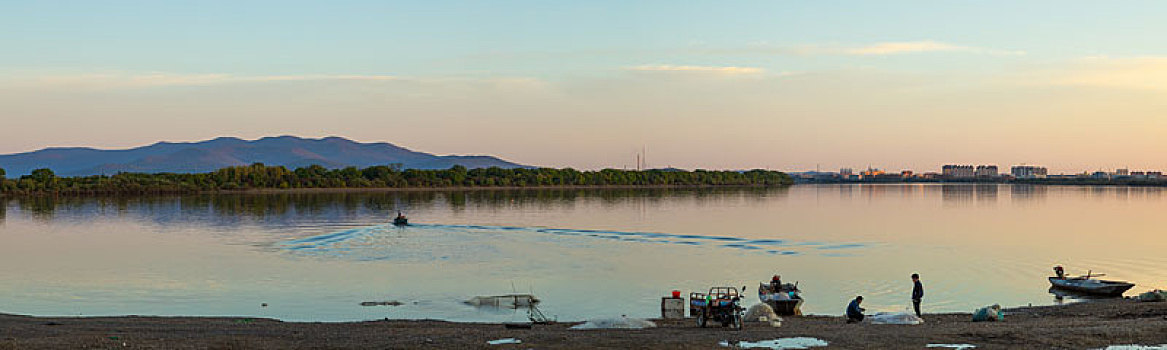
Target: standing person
pixel 854 312
pixel 917 293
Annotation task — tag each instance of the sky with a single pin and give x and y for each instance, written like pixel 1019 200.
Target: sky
pixel 786 85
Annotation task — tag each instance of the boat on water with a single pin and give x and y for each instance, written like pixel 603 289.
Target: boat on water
pixel 400 220
pixel 784 298
pixel 1088 284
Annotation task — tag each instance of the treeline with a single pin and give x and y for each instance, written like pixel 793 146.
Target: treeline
pixel 260 176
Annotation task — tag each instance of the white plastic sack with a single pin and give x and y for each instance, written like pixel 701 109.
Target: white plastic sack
pixel 894 318
pixel 616 323
pixel 779 344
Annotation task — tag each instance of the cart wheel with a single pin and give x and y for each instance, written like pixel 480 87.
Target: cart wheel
pixel 701 320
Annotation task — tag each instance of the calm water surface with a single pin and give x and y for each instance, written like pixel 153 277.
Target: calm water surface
pixel 590 253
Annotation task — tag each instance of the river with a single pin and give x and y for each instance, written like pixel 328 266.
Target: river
pixel 585 253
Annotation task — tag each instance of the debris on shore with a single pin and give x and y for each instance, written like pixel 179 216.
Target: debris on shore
pixel 382 303
pixel 779 344
pixel 616 323
pixel 509 300
pixel 894 318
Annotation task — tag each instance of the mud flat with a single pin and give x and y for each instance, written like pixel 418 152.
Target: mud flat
pixel 1076 326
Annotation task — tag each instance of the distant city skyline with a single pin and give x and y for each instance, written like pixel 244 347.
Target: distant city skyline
pixel 641 163
pixel 978 170
pixel 1070 85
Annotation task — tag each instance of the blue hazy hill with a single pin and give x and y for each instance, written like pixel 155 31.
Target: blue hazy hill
pixel 210 155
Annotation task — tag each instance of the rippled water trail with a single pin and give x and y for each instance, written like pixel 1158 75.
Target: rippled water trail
pixel 431 241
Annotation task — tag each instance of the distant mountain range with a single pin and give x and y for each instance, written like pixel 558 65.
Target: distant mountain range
pixel 210 155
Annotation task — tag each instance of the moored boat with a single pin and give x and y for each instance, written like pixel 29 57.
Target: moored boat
pixel 1091 286
pixel 784 298
pixel 1088 284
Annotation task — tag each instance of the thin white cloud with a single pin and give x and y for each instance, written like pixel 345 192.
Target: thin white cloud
pixel 893 48
pixel 700 69
pixel 898 48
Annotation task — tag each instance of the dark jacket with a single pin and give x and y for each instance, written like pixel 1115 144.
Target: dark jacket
pixel 854 311
pixel 918 291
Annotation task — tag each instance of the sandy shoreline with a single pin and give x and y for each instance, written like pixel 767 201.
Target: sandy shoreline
pixel 1075 326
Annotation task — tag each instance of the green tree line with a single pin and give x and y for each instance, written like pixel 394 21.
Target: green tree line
pixel 260 176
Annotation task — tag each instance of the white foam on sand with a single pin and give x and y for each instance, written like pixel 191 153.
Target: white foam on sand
pixel 779 344
pixel 1137 347
pixel 505 341
pixel 953 346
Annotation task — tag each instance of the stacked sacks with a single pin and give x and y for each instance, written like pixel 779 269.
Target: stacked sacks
pixel 763 313
pixel 1155 295
pixel 990 313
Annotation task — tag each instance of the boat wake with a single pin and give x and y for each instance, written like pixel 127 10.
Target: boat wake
pixel 434 238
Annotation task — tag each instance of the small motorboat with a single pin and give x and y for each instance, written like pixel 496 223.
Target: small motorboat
pixel 400 220
pixel 1088 284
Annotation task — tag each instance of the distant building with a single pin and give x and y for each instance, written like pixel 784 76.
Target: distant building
pixel 907 174
pixel 957 171
pixel 870 172
pixel 1122 172
pixel 1146 174
pixel 1028 172
pixel 986 171
pixel 846 172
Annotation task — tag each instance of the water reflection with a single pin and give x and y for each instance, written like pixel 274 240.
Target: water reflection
pixel 39 207
pixel 1028 193
pixel 986 193
pixel 1062 296
pixel 957 194
pixel 234 207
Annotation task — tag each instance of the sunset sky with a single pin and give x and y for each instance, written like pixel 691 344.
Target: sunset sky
pixel 788 85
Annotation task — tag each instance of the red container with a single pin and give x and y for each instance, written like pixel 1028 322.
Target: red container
pixel 676 294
